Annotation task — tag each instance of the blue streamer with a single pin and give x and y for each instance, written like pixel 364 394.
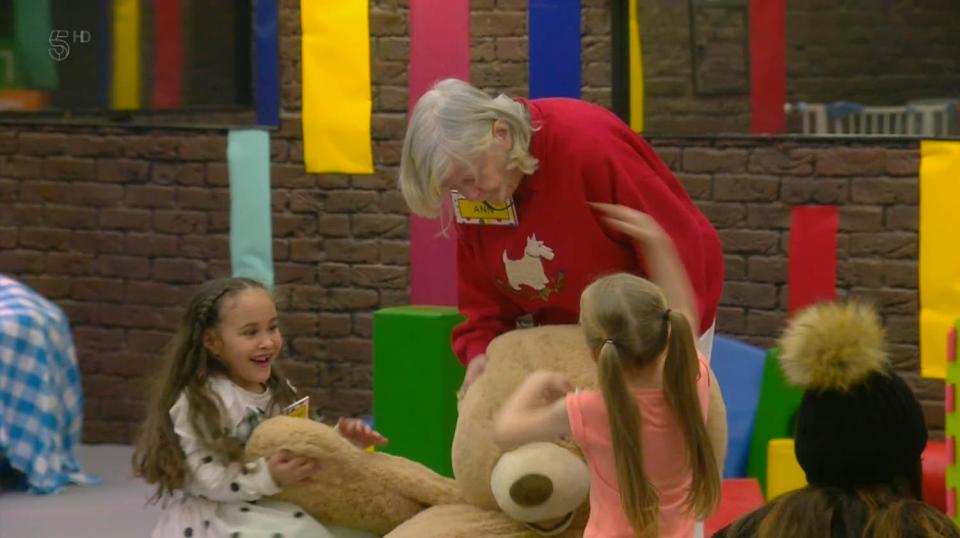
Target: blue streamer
pixel 266 50
pixel 554 48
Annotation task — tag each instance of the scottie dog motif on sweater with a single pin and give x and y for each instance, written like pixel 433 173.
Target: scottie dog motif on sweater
pixel 528 270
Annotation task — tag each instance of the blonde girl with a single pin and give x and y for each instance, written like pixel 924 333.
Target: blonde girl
pixel 654 434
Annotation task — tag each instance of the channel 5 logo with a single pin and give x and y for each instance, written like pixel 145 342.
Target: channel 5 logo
pixel 60 42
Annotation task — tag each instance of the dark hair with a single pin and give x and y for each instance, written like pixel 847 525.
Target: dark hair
pixel 831 512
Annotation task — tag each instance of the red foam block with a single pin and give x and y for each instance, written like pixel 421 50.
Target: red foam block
pixel 952 502
pixel 738 497
pixel 934 475
pixel 950 398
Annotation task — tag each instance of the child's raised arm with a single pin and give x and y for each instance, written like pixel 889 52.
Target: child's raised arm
pixel 664 266
pixel 537 411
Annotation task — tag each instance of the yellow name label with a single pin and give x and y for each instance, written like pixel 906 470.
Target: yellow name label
pixel 299 409
pixel 474 212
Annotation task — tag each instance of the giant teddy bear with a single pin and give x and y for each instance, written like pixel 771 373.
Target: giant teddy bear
pixel 538 488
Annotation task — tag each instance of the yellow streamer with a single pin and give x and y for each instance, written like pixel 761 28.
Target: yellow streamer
pixel 336 86
pixel 126 55
pixel 636 70
pixel 939 252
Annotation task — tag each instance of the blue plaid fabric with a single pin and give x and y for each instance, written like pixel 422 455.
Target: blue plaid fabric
pixel 41 403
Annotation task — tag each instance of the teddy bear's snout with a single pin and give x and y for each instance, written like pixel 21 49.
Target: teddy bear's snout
pixel 541 485
pixel 531 490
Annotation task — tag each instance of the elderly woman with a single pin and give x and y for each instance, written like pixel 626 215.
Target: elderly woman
pixel 576 179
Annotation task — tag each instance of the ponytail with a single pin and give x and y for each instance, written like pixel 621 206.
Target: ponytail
pixel 637 495
pixel 680 375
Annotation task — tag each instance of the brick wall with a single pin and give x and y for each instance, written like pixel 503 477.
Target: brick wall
pixel 717 98
pixel 696 58
pixel 117 225
pixel 747 187
pixel 878 53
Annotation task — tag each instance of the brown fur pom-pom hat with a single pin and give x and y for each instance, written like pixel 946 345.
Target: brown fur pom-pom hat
pixel 858 424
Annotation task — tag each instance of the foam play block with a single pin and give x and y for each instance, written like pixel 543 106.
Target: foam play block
pixel 934 475
pixel 783 470
pixel 776 410
pixel 415 381
pixel 738 497
pixel 739 370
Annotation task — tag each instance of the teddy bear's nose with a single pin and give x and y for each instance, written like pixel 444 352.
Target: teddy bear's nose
pixel 531 490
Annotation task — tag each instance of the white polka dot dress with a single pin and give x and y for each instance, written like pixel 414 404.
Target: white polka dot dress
pixel 225 501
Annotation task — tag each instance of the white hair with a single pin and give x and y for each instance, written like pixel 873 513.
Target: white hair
pixel 453 123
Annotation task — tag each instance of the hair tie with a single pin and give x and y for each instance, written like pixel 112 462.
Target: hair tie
pixel 666 314
pixel 610 341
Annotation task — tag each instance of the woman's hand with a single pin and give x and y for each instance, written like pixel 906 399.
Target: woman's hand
pixel 359 433
pixel 288 469
pixel 474 370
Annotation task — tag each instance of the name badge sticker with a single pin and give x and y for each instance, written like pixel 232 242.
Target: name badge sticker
pixel 299 408
pixel 474 212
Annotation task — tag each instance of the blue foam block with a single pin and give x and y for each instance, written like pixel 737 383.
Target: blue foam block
pixel 739 369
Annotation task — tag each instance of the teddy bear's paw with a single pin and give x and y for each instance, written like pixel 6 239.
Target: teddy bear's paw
pixel 541 485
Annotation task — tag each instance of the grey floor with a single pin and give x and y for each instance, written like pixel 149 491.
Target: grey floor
pixel 113 509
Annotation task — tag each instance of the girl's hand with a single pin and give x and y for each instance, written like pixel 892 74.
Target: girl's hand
pixel 359 433
pixel 288 469
pixel 663 264
pixel 636 224
pixel 536 411
pixel 550 386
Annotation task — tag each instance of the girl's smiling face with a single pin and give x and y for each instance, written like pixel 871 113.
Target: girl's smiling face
pixel 247 340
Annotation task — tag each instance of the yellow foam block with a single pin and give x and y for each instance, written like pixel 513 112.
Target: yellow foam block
pixel 783 471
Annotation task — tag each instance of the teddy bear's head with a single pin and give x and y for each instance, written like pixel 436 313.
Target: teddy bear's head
pixel 543 485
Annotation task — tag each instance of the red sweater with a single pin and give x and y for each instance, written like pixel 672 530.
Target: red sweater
pixel 541 266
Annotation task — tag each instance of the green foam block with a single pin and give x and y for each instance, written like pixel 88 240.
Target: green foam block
pixel 415 381
pixel 776 409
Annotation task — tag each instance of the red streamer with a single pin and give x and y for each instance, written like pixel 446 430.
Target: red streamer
pixel 768 72
pixel 812 261
pixel 168 54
